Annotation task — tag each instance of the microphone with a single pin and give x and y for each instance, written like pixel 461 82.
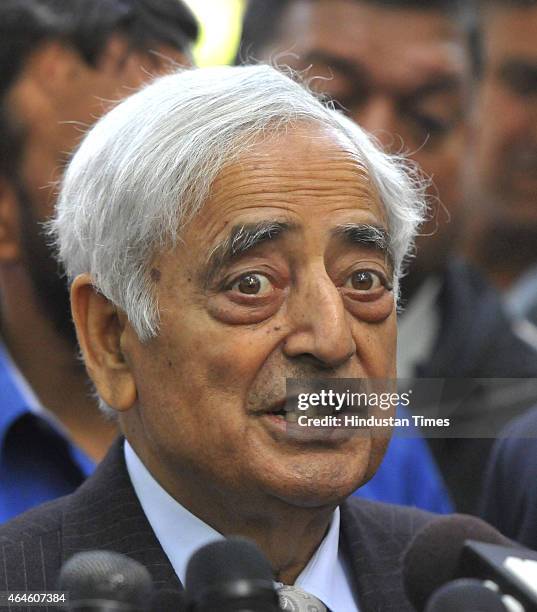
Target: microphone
pixel 434 555
pixel 230 575
pixel 104 581
pixel 465 594
pixel 461 546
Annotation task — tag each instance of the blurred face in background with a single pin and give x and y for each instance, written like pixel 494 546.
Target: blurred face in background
pixel 507 116
pixel 55 99
pixel 59 96
pixel 402 74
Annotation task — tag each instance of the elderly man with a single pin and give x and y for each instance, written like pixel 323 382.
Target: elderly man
pixel 223 230
pixel 503 232
pixel 401 69
pixel 61 64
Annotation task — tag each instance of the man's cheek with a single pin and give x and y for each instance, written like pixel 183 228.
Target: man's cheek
pixel 234 369
pixel 195 360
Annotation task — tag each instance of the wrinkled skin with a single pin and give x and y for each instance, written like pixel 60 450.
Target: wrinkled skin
pixel 308 302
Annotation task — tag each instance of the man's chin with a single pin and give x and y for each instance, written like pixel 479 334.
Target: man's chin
pixel 313 485
pixel 318 496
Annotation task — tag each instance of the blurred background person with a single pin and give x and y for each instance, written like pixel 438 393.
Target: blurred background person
pixel 61 64
pixel 502 233
pixel 403 70
pixel 510 493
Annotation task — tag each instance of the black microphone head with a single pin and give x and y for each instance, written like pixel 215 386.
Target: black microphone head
pixel 433 556
pixel 101 575
pixel 224 561
pixel 463 595
pixel 228 571
pixel 168 600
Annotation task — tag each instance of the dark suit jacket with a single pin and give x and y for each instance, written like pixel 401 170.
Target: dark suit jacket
pixel 104 513
pixel 510 493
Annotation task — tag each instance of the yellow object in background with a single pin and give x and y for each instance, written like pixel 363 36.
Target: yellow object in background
pixel 220 30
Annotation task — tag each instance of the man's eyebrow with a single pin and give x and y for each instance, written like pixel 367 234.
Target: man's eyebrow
pixel 352 69
pixel 365 235
pixel 348 68
pixel 441 84
pixel 241 239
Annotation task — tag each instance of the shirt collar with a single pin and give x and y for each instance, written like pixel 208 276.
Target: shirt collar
pixel 321 575
pixel 418 327
pixel 180 534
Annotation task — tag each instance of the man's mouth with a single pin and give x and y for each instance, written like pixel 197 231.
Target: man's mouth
pixel 287 410
pixel 285 422
pixel 290 416
pixel 284 410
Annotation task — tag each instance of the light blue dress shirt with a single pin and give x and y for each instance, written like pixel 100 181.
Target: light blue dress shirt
pixel 180 534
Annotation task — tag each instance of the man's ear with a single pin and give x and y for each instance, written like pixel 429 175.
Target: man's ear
pixel 9 223
pixel 102 329
pixel 52 67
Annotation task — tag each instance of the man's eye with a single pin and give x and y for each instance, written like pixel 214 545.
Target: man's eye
pixel 432 126
pixel 251 284
pixel 521 80
pixel 352 103
pixel 365 280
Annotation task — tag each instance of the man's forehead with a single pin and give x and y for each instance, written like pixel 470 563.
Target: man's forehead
pixel 303 17
pixel 512 30
pixel 304 166
pixel 393 46
pixel 292 178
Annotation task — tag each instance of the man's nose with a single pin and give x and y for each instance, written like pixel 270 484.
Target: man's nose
pixel 320 325
pixel 378 116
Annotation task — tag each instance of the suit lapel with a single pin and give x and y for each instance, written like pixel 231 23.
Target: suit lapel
pixel 372 538
pixel 105 514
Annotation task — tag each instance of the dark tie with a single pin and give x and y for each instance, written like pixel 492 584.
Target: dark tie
pixel 294 599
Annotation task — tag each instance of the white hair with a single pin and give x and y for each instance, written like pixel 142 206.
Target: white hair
pixel 147 167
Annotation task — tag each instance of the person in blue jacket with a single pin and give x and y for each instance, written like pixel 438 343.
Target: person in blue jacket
pixel 59 62
pixel 408 475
